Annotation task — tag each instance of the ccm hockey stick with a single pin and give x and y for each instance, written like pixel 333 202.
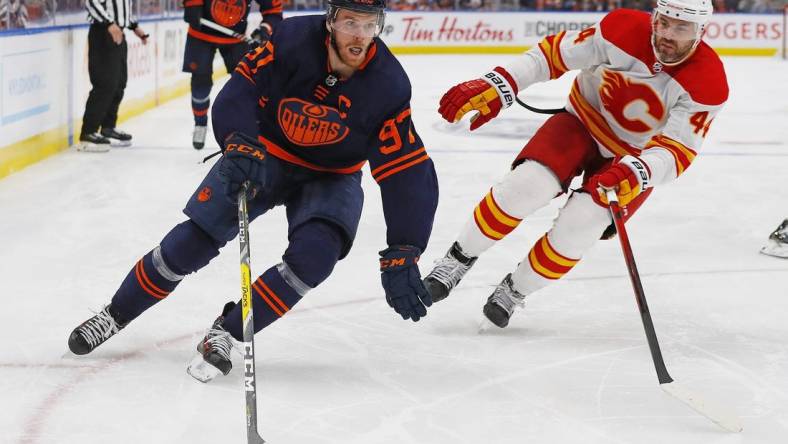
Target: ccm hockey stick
pixel 225 31
pixel 247 318
pixel 719 416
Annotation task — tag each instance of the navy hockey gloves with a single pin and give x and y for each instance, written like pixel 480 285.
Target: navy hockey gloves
pixel 244 160
pixel 399 273
pixel 192 13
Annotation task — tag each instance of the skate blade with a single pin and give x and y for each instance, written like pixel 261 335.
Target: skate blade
pixel 485 325
pixel 121 144
pixel 775 249
pixel 201 370
pixel 87 147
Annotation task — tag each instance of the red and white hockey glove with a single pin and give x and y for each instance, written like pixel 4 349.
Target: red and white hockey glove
pixel 629 176
pixel 487 95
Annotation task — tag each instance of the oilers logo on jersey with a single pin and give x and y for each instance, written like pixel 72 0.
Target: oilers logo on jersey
pixel 309 124
pixel 228 12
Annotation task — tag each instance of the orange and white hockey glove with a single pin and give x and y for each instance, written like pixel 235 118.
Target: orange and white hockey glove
pixel 629 176
pixel 487 95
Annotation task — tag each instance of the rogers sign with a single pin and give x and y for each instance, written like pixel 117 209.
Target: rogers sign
pixel 450 29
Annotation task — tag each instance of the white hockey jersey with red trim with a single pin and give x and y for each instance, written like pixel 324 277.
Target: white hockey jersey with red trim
pixel 630 103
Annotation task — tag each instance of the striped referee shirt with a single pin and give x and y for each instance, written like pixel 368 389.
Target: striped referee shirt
pixel 111 11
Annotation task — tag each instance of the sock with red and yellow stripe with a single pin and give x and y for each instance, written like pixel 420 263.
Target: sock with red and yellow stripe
pixel 579 225
pixel 522 191
pixel 543 265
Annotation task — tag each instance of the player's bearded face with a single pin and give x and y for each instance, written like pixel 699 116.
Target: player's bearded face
pixel 352 35
pixel 673 39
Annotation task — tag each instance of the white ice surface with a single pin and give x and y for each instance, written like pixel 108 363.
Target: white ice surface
pixel 342 367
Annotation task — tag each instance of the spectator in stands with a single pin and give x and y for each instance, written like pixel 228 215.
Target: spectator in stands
pixel 107 51
pixel 13 14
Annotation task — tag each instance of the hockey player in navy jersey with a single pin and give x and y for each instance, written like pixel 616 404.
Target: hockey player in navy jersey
pixel 202 42
pixel 298 119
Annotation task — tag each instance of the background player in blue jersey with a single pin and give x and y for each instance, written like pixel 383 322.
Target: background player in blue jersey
pixel 202 43
pixel 298 119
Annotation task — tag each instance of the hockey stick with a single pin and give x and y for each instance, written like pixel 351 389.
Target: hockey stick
pixel 719 416
pixel 247 317
pixel 539 110
pixel 225 31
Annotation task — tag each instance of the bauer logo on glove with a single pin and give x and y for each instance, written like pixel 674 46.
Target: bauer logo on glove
pixel 628 177
pixel 488 95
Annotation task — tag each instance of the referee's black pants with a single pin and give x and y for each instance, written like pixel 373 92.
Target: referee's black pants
pixel 108 75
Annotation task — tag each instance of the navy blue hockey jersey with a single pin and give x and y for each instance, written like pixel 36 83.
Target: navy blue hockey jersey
pixel 232 14
pixel 285 93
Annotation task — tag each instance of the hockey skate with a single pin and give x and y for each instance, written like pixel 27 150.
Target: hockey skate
pixel 116 138
pixel 448 272
pixel 198 137
pixel 95 331
pixel 93 143
pixel 777 245
pixel 213 352
pixel 502 303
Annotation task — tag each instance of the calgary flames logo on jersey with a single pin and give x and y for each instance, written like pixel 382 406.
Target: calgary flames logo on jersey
pixel 617 93
pixel 309 124
pixel 228 12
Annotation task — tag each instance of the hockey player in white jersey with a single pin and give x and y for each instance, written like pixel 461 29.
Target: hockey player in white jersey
pixel 647 92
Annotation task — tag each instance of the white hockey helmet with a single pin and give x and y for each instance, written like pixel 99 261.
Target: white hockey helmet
pixel 695 11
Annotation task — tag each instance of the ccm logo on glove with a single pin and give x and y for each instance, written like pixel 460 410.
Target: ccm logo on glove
pixel 245 149
pixel 397 262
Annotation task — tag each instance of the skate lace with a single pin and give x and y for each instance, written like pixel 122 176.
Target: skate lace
pixel 218 340
pixel 507 297
pixel 98 328
pixel 449 271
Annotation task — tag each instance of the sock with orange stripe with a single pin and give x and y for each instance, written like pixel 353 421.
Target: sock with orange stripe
pixel 315 247
pixel 145 285
pixel 273 297
pixel 201 98
pixel 185 249
pixel 522 191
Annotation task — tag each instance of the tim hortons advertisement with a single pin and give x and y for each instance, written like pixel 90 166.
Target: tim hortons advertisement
pixel 443 32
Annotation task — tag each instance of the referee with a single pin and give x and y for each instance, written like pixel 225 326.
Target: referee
pixel 107 52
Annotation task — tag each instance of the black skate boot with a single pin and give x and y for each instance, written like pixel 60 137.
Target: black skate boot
pixel 213 352
pixel 777 245
pixel 95 331
pixel 93 143
pixel 447 272
pixel 117 138
pixel 501 304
